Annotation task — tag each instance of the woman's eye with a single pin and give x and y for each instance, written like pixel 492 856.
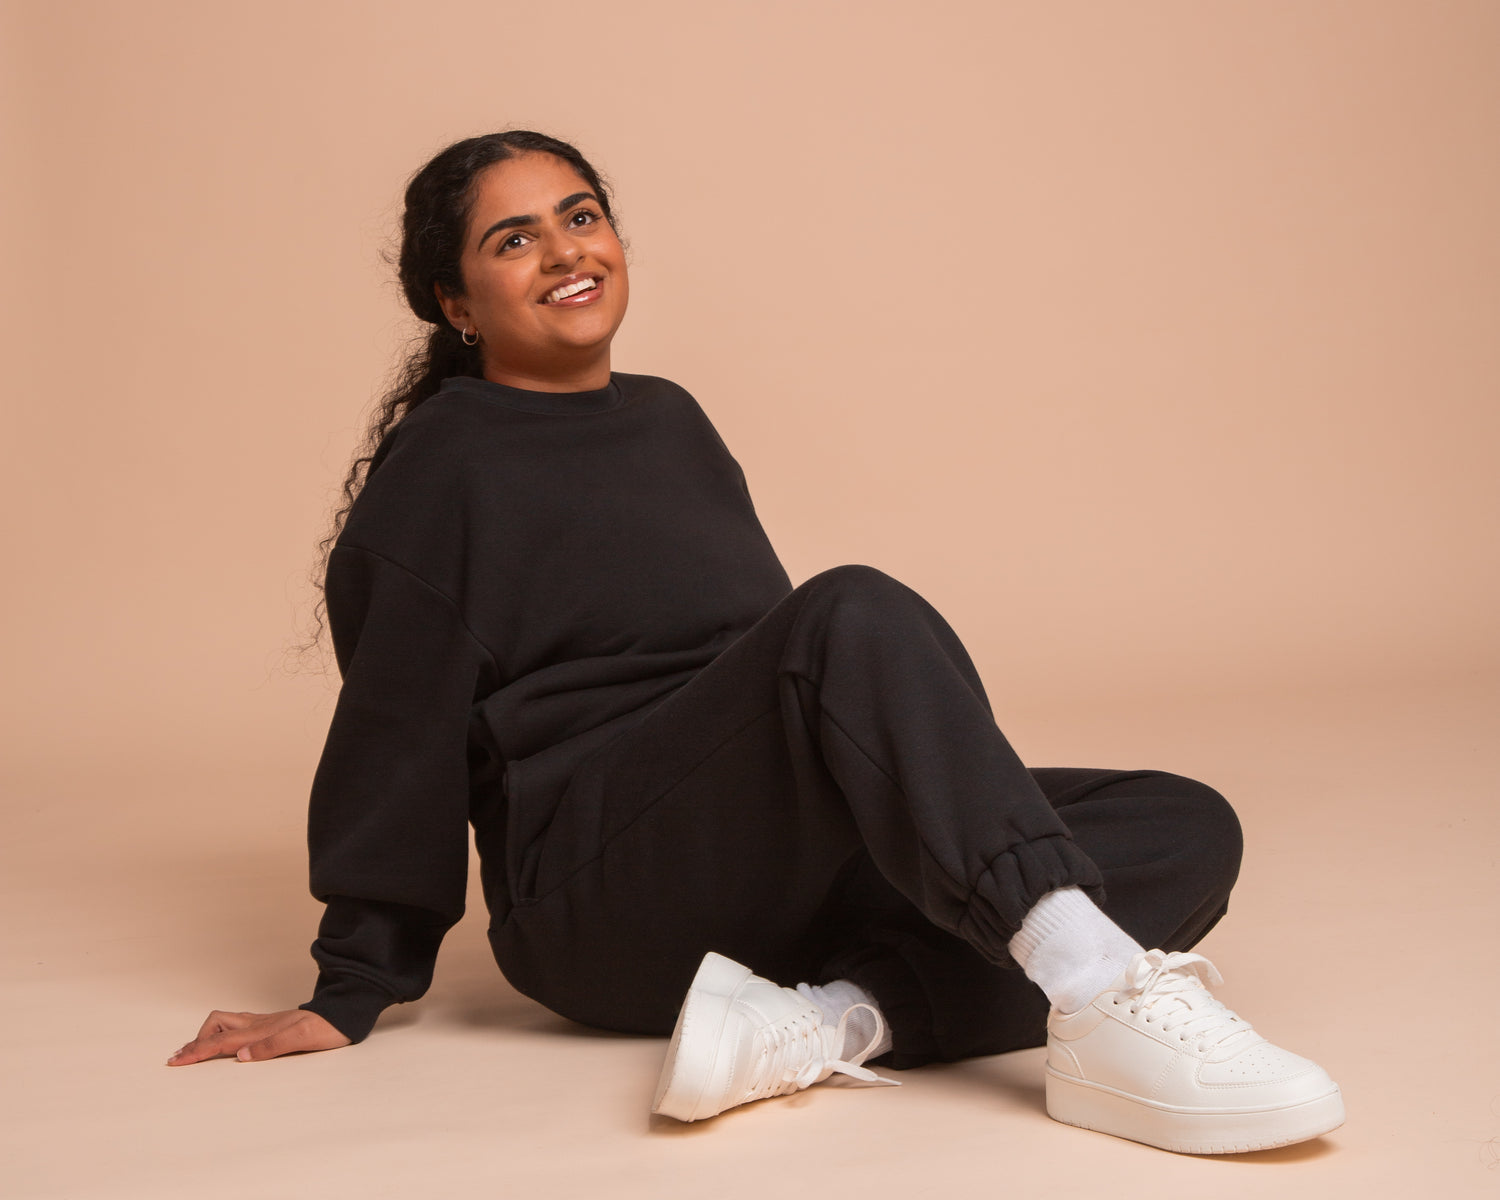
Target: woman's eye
pixel 584 217
pixel 515 239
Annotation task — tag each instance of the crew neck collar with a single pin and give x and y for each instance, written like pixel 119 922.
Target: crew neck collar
pixel 610 396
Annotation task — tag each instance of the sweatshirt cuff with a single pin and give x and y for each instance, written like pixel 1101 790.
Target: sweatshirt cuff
pixel 349 1005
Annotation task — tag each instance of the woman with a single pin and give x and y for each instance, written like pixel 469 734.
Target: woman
pixel 558 619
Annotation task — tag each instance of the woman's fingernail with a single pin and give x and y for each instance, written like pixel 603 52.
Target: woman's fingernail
pixel 243 1054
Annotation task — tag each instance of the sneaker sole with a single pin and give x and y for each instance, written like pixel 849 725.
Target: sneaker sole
pixel 1189 1131
pixel 698 1040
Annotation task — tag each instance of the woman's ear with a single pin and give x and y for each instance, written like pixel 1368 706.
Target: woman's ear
pixel 453 308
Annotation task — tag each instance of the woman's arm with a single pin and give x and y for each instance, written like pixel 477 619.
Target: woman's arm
pixel 388 831
pixel 388 817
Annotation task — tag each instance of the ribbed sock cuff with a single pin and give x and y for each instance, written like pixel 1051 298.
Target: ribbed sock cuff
pixel 1070 949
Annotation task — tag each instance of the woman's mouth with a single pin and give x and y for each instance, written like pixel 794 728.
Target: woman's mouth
pixel 578 290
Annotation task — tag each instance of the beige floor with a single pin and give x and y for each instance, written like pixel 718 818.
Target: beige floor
pixel 1363 934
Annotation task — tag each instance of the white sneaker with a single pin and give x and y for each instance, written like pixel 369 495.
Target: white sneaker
pixel 1158 1060
pixel 740 1037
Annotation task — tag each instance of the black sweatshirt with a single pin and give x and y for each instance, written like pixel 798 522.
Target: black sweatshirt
pixel 523 577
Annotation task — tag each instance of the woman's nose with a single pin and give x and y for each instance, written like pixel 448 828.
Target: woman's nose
pixel 560 250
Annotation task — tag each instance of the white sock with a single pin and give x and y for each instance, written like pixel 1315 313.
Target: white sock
pixel 1070 949
pixel 837 998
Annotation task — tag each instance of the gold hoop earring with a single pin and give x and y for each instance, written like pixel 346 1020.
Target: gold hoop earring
pixel 465 336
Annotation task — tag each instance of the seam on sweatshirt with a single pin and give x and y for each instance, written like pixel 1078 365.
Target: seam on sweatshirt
pixel 451 602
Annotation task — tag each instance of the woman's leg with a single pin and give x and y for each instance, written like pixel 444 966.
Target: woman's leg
pixel 846 733
pixel 831 798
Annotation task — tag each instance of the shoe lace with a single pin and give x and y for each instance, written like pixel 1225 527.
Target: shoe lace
pixel 1172 990
pixel 793 1054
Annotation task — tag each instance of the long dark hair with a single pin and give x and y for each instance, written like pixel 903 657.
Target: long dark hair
pixel 439 201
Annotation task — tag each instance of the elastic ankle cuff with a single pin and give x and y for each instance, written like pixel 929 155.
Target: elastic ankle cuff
pixel 1012 885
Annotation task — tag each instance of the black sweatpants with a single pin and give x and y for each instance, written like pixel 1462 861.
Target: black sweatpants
pixel 831 798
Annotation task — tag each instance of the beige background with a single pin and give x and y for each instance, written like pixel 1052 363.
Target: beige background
pixel 1157 344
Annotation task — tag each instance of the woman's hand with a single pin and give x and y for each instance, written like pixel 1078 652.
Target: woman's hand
pixel 251 1037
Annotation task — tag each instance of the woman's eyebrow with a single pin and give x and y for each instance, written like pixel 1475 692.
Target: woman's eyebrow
pixel 567 202
pixel 559 208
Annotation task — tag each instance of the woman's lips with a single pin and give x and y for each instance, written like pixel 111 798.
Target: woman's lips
pixel 587 296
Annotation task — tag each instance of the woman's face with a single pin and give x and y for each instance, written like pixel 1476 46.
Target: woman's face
pixel 537 231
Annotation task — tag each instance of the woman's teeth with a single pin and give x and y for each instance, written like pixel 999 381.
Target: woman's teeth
pixel 571 289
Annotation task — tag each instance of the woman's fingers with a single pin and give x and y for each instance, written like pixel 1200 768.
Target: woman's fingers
pixel 297 1038
pixel 252 1037
pixel 218 1022
pixel 224 1033
pixel 212 1041
pixel 212 1045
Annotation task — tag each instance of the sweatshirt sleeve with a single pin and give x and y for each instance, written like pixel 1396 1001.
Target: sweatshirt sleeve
pixel 388 831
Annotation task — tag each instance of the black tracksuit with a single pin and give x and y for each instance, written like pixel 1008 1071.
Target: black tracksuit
pixel 558 618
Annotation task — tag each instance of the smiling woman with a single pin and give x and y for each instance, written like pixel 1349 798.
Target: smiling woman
pixel 544 283
pixel 558 619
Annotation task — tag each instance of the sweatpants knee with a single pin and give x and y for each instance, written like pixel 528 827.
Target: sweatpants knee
pixel 862 596
pixel 855 579
pixel 885 635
